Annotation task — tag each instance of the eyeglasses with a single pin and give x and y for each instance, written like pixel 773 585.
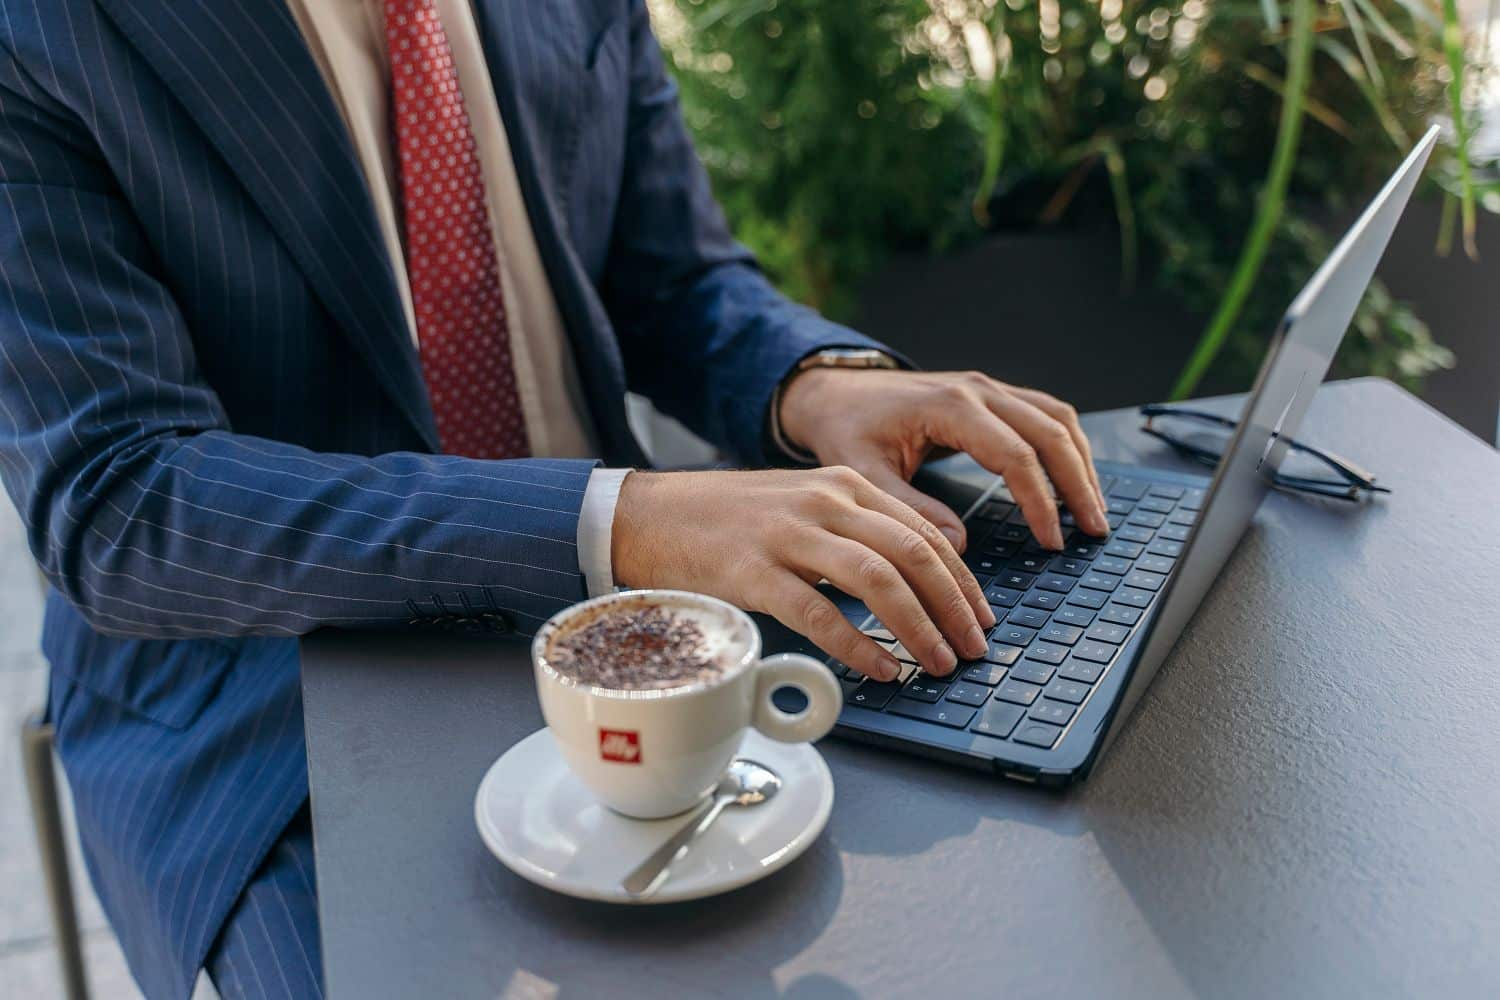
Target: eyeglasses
pixel 1204 436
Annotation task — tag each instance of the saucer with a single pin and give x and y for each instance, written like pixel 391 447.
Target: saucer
pixel 545 826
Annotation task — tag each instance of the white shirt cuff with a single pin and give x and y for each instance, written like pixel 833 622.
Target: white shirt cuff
pixel 596 523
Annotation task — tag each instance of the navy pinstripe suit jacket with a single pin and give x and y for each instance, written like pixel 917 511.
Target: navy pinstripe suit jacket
pixel 213 420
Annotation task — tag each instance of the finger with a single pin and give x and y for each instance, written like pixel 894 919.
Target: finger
pixel 972 427
pixel 1068 416
pixel 1059 454
pixel 884 477
pixel 891 501
pixel 857 569
pixel 798 605
pixel 910 550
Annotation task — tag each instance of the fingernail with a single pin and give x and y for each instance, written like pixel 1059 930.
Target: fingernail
pixel 943 657
pixel 974 642
pixel 889 667
pixel 987 617
pixel 1101 522
pixel 1055 539
pixel 954 538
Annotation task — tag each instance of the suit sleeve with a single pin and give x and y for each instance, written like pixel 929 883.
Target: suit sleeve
pixel 146 509
pixel 703 333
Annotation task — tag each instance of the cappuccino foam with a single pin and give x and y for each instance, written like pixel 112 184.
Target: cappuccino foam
pixel 647 645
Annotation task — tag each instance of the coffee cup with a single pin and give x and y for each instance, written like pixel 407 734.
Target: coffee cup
pixel 647 742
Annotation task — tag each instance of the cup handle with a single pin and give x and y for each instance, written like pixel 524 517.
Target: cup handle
pixel 824 698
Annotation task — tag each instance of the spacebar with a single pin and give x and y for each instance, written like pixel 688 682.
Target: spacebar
pixel 943 713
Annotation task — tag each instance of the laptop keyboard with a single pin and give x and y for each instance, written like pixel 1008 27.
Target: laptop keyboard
pixel 1063 616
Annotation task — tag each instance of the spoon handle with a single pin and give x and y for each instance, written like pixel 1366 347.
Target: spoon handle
pixel 651 873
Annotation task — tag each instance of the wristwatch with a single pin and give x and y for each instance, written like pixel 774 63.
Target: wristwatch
pixel 833 357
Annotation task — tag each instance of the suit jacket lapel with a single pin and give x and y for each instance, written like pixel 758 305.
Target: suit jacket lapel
pixel 511 33
pixel 250 83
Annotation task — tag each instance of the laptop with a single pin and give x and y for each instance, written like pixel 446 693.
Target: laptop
pixel 1083 631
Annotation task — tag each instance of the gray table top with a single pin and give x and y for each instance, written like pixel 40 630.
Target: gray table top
pixel 1305 803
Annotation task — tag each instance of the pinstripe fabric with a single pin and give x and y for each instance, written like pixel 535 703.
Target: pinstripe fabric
pixel 269 948
pixel 212 419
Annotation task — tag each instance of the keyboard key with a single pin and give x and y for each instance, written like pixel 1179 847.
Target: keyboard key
pixel 1121 549
pixel 1065 690
pixel 1070 615
pixel 998 719
pixel 924 688
pixel 1014 579
pixel 1129 489
pixel 1119 505
pixel 1029 617
pixel 1176 532
pixel 969 694
pixel 1046 653
pixel 903 654
pixel 1157 505
pixel 1037 734
pixel 1013 635
pixel 1120 615
pixel 1134 598
pixel 848 684
pixel 1165 548
pixel 1146 519
pixel 1146 581
pixel 1135 533
pixel 840 669
pixel 1070 566
pixel 1080 547
pixel 1029 562
pixel 1062 634
pixel 1011 533
pixel 1114 520
pixel 1055 712
pixel 996 510
pixel 874 694
pixel 880 635
pixel 1055 582
pixel 1088 599
pixel 1095 652
pixel 987 673
pixel 1100 581
pixel 1030 671
pixel 1165 490
pixel 999 548
pixel 1016 516
pixel 983 566
pixel 1002 654
pixel 1191 500
pixel 1155 564
pixel 1108 632
pixel 1066 519
pixel 1044 599
pixel 1081 671
pixel 1188 517
pixel 1001 597
pixel 1111 564
pixel 1018 692
pixel 946 714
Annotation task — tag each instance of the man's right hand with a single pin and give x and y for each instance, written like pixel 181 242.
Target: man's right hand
pixel 761 540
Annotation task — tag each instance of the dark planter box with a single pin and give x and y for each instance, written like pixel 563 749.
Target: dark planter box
pixel 1043 307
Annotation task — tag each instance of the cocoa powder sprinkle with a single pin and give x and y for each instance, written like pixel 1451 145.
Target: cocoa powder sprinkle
pixel 645 648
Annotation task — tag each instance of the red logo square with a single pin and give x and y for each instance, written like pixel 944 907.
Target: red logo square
pixel 621 745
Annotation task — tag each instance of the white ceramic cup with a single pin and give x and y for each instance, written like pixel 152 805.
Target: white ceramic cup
pixel 649 753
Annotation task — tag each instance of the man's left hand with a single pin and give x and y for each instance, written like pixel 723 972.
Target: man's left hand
pixel 884 423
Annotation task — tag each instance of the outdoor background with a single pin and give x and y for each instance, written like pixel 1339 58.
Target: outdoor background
pixel 1061 192
pixel 1057 191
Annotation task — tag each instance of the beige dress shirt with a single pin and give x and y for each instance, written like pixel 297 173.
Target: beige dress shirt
pixel 347 41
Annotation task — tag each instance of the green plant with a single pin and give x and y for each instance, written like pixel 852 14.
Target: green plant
pixel 1225 133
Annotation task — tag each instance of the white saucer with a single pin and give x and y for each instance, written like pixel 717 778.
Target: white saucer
pixel 547 828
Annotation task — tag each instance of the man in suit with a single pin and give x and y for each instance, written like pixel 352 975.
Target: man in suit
pixel 321 313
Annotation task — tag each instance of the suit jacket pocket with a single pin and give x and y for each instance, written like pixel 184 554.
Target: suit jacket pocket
pixel 168 681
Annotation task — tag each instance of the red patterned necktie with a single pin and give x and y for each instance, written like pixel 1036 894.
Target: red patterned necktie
pixel 450 252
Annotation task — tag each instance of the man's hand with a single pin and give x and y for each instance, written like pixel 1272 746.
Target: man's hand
pixel 883 424
pixel 761 540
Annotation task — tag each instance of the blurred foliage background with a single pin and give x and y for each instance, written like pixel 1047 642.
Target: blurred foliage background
pixel 838 131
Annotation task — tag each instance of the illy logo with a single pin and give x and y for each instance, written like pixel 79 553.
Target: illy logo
pixel 622 745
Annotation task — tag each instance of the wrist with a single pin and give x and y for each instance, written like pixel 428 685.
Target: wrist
pixel 627 545
pixel 798 404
